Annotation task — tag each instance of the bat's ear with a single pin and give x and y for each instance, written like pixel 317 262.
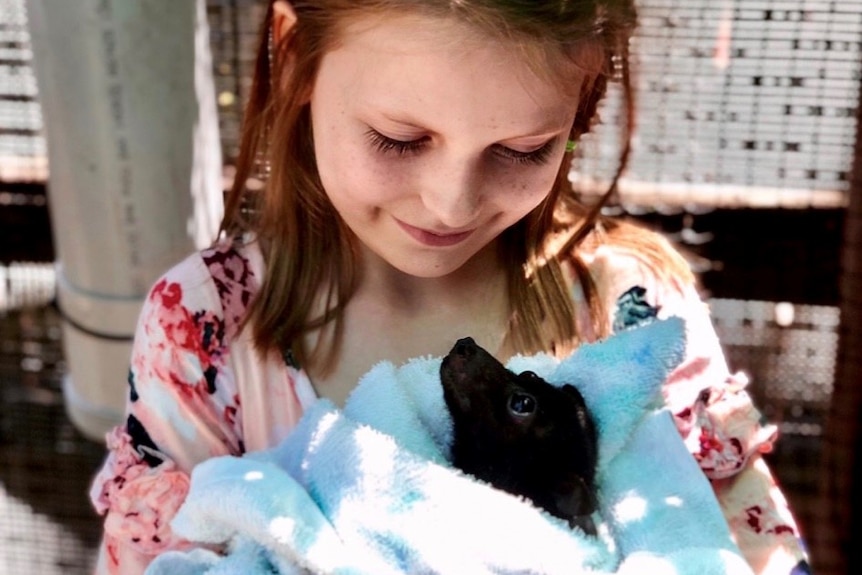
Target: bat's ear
pixel 584 418
pixel 574 497
pixel 574 392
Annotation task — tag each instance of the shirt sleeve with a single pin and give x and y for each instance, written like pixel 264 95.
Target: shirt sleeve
pixel 182 408
pixel 714 413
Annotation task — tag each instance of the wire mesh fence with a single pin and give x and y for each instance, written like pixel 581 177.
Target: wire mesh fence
pixel 22 148
pixel 46 522
pixel 743 103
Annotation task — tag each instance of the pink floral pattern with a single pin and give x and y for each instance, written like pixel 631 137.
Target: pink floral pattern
pixel 178 335
pixel 138 500
pixel 179 380
pixel 234 281
pixel 715 416
pixel 723 429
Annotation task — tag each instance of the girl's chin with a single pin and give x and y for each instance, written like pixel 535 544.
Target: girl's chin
pixel 430 265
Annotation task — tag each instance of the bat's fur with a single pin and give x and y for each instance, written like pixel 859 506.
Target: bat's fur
pixel 521 434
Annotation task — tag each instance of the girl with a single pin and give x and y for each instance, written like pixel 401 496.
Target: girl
pixel 415 156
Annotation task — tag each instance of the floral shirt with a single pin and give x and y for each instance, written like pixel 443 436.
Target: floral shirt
pixel 199 389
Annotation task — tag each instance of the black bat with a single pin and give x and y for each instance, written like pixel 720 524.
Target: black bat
pixel 521 434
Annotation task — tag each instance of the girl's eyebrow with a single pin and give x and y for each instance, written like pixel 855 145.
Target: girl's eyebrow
pixel 539 129
pixel 543 135
pixel 535 139
pixel 401 118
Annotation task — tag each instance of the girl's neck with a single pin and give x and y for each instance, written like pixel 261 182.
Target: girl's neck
pixel 396 317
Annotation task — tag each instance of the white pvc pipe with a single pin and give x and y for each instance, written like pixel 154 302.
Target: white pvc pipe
pixel 135 171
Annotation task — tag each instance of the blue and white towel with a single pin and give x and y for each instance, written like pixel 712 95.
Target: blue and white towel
pixel 369 489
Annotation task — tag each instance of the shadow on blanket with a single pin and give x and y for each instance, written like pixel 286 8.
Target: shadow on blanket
pixel 369 489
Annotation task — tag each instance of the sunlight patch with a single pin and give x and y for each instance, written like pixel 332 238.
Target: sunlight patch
pixel 282 528
pixel 377 453
pixel 321 431
pixel 632 508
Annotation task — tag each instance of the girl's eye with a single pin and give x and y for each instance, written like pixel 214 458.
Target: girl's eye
pixel 538 156
pixel 386 145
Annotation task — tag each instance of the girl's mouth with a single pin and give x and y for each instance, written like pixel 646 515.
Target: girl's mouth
pixel 434 239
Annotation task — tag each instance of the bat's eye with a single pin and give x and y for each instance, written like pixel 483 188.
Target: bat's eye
pixel 521 404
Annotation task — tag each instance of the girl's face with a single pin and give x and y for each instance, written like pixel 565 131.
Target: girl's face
pixel 431 139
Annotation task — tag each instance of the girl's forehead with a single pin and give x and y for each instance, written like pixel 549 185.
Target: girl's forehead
pixel 387 32
pixel 431 66
pixel 413 39
pixel 406 31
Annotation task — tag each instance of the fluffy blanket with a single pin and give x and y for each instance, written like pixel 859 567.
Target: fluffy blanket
pixel 368 489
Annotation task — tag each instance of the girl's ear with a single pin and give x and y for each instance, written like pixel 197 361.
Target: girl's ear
pixel 283 20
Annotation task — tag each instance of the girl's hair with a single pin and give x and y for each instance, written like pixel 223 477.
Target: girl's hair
pixel 309 250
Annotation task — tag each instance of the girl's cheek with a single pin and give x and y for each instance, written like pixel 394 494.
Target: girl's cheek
pixel 388 178
pixel 529 184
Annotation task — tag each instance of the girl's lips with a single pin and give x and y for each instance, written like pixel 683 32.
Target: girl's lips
pixel 433 239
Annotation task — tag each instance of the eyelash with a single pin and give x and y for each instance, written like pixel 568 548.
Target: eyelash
pixel 387 145
pixel 536 157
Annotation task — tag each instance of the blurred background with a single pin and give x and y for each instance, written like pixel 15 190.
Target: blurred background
pixel 747 154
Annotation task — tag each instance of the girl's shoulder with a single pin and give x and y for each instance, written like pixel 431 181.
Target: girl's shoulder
pixel 221 279
pixel 235 270
pixel 621 253
pixel 635 273
pixel 620 247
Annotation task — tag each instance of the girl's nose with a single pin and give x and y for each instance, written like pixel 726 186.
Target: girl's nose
pixel 453 195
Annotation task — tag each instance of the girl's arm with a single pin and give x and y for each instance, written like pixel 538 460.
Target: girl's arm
pixel 182 408
pixel 713 412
